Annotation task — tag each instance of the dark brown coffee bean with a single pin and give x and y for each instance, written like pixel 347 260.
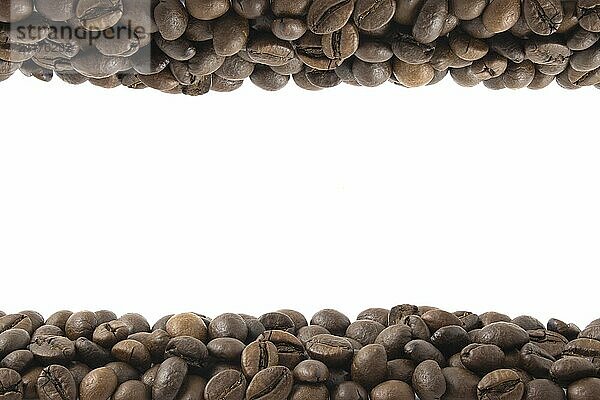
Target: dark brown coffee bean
pixel 588 12
pixel 226 385
pixel 14 321
pixel 420 350
pixel 169 379
pixel 482 358
pixel 468 9
pixel 230 34
pixel 428 381
pixel 430 21
pixel 131 390
pixel 370 15
pixel 289 348
pixel 543 16
pixel 586 60
pixel 466 47
pixel 288 28
pixel 543 389
pixel 502 383
pixel 371 75
pixel 99 384
pixel 56 383
pixel 410 51
pixel 269 50
pixel 328 16
pixel 309 49
pixel 506 335
pixel 584 389
pixel 171 18
pixel 392 390
pixel 258 356
pixel 311 371
pixel 235 68
pixel 98 15
pixel 461 384
pixel 369 366
pixel 270 384
pixel 187 324
pixel 341 44
pixel 501 15
pixel 207 10
pixel 410 75
pixel 11 385
pixel 332 350
pixel 53 350
pixel 309 392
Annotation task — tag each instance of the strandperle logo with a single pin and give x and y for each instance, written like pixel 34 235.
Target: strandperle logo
pixel 28 33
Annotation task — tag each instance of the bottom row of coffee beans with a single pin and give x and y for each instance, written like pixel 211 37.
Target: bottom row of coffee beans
pixel 403 353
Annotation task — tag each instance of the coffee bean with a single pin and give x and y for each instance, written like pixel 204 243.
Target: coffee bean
pixel 588 13
pixel 14 321
pixel 371 75
pixel 410 51
pixel 370 15
pixel 420 350
pixel 392 390
pixel 364 331
pixel 587 388
pixel 187 324
pixel 410 75
pixel 13 339
pixel 258 356
pixel 189 349
pixel 430 21
pixel 270 383
pixel 482 358
pixel 269 50
pixel 467 48
pixel 369 366
pixel 309 392
pixel 230 34
pixel 311 371
pixel 11 386
pixel 502 383
pixel 228 326
pixel 460 384
pixel 227 385
pixel 428 381
pixel 99 384
pixel 290 349
pixel 505 335
pixel 501 15
pixel 53 350
pixel 171 18
pixel 235 68
pixel 264 50
pixel 131 390
pixel 98 15
pixel 341 44
pixel 169 379
pixel 309 49
pixel 207 10
pixel 543 16
pixel 56 383
pixel 332 350
pixel 92 354
pixel 328 16
pixel 543 389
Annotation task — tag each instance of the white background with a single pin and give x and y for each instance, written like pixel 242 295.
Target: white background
pixel 253 201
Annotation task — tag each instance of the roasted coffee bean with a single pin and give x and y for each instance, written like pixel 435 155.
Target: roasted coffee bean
pixel 267 79
pixel 332 350
pixel 311 371
pixel 15 10
pixel 132 352
pixel 207 10
pixel 309 392
pixel 11 386
pixel 586 60
pixel 169 379
pixel 502 383
pixel 540 81
pixel 501 15
pixel 428 381
pixel 187 324
pixel 547 52
pixel 370 75
pixel 230 34
pixel 506 335
pixel 288 28
pixel 341 44
pixel 228 326
pixel 53 350
pixel 290 349
pixel 364 331
pixel 468 9
pixel 392 390
pixel 410 75
pixel 420 350
pixel 588 13
pixel 91 353
pixel 450 339
pixel 258 356
pixel 56 383
pixel 543 389
pixel 125 372
pixel 189 349
pixel 328 16
pixel 227 385
pixel 18 360
pixel 99 384
pixel 461 384
pixel 430 21
pixel 309 49
pixel 587 388
pixel 410 51
pixel 274 320
pixel 226 349
pixel 14 321
pixel 270 383
pixel 482 358
pixel 131 390
pixel 374 51
pixel 369 366
pixel 13 339
pixel 370 15
pixel 543 16
pixel 235 68
pixel 98 15
pixel 171 18
pixel 467 48
pixel 536 361
pixel 269 50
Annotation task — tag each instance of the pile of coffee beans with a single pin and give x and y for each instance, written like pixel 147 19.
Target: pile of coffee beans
pixel 405 353
pixel 195 46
